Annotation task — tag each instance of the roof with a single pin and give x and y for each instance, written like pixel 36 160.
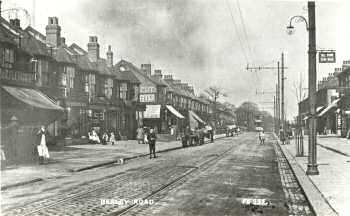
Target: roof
pixel 63 54
pixel 6 36
pixel 127 74
pixel 103 68
pixel 138 73
pixel 84 62
pixel 33 46
pixel 35 33
pixel 77 49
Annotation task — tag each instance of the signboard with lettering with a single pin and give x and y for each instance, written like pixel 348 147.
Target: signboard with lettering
pixel 326 57
pixel 144 98
pixel 148 89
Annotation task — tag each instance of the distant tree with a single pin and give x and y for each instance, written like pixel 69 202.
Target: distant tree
pixel 246 114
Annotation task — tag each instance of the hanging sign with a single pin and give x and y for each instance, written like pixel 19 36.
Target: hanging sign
pixel 326 56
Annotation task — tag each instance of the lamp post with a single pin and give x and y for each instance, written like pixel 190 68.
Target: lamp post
pixel 311 28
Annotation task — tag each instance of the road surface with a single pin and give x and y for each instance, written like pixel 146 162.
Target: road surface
pixel 233 176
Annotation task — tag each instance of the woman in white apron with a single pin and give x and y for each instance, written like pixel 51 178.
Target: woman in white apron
pixel 42 148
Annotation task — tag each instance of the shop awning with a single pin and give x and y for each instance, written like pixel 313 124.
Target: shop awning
pixel 32 97
pixel 174 111
pixel 152 112
pixel 196 117
pixel 318 109
pixel 330 106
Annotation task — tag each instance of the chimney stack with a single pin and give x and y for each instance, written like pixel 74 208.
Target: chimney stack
pixel 157 74
pixel 177 82
pixel 109 57
pixel 168 77
pixel 53 32
pixel 93 49
pixel 147 69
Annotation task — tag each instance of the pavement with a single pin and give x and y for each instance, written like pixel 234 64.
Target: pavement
pixel 66 160
pixel 328 192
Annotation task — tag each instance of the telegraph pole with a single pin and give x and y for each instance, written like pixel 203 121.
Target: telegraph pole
pixel 282 95
pixel 274 114
pixel 312 157
pixel 278 96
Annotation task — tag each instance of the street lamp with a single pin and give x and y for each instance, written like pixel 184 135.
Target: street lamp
pixel 311 28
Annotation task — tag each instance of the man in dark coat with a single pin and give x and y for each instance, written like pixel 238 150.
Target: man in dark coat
pixel 151 137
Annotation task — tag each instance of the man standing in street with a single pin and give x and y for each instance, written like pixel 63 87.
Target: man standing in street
pixel 152 143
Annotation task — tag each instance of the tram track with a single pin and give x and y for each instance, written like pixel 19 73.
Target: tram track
pixel 132 209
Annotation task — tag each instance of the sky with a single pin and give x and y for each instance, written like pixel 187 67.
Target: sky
pixel 204 42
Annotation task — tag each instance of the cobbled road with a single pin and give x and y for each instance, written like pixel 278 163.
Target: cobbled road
pixel 233 176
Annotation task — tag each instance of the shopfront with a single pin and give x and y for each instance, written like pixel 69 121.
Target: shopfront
pixel 23 111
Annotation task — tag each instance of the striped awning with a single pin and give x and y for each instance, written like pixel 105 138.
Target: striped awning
pixel 196 117
pixel 174 111
pixel 329 107
pixel 32 97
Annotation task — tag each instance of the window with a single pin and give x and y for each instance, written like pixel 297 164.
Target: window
pixel 8 58
pixel 123 89
pixel 67 79
pixel 90 85
pixel 108 90
pixel 70 76
pixel 41 69
pixel 136 93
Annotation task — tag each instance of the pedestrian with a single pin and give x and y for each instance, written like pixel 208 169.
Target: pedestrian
pixel 104 138
pixel 43 151
pixel 112 139
pixel 152 143
pixel 282 136
pixel 187 136
pixel 145 135
pixel 140 135
pixel 262 137
pixel 2 157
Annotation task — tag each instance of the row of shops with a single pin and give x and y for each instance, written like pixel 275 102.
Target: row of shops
pixel 332 104
pixel 70 90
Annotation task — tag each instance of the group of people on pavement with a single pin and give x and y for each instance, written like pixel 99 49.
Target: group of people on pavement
pixel 102 138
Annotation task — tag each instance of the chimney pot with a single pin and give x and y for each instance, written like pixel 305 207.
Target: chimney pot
pixel 63 41
pixel 168 77
pixel 16 23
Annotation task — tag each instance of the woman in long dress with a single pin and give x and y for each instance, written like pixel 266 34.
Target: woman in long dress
pixel 42 148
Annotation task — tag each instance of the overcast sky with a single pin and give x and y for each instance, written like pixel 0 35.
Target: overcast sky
pixel 205 42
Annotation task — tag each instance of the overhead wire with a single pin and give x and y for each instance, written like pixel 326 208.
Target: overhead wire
pixel 237 32
pixel 244 29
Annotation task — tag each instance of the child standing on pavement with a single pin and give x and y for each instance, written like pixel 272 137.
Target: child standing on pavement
pixel 112 139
